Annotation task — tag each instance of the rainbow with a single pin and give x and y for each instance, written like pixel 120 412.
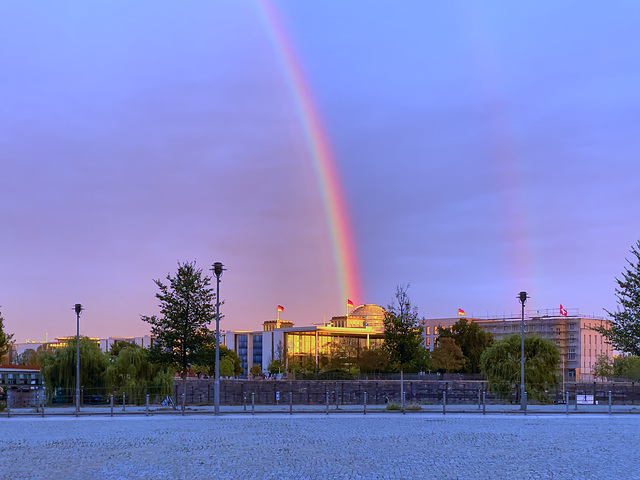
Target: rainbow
pixel 335 205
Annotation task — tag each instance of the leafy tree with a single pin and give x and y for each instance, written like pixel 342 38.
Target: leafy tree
pixel 28 358
pixel 256 370
pixel 186 308
pixel 403 335
pixel 627 367
pixel 226 367
pixel 623 328
pixel 471 339
pixel 204 358
pixel 5 339
pixel 275 367
pixel 131 371
pixel 59 366
pixel 501 365
pixel 603 367
pixel 373 360
pixel 447 356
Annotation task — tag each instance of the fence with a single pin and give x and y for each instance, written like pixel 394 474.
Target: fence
pixel 348 394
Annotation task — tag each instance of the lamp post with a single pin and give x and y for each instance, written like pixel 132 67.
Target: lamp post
pixel 217 269
pixel 523 299
pixel 78 309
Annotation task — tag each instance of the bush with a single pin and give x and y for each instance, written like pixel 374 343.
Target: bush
pixel 394 406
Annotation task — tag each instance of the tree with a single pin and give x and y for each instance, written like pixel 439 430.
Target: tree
pixel 623 329
pixel 5 339
pixel 627 367
pixel 373 360
pixel 403 335
pixel 28 358
pixel 447 356
pixel 130 370
pixel 59 366
pixel 204 358
pixel 471 339
pixel 186 308
pixel 256 370
pixel 603 367
pixel 501 365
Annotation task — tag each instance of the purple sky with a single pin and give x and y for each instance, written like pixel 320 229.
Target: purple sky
pixel 484 148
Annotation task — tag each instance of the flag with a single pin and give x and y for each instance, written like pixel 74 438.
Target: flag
pixel 280 308
pixel 563 312
pixel 461 312
pixel 349 303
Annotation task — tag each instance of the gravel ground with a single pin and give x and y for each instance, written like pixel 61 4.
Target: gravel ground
pixel 311 446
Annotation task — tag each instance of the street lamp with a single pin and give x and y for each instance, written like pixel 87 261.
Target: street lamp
pixel 523 299
pixel 78 309
pixel 217 269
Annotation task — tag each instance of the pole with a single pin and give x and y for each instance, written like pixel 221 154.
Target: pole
pixel 78 308
pixel 523 298
pixel 217 270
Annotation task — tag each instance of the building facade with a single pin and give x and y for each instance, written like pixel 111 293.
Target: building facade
pixel 281 340
pixel 579 345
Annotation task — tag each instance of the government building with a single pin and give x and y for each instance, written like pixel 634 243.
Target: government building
pixel 280 340
pixel 579 345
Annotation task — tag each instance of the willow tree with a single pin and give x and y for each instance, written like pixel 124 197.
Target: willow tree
pixel 186 309
pixel 59 367
pixel 131 372
pixel 501 365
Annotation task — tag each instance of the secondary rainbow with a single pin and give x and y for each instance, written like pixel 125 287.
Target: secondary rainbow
pixel 324 163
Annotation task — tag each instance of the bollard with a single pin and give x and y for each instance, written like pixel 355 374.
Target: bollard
pixel 336 392
pixel 484 403
pixel 253 403
pixel 327 402
pixel 123 401
pixel 567 401
pixel 291 403
pixel 403 402
pixel 111 402
pixel 576 400
pixel 147 405
pixel 609 401
pixel 245 401
pixel 43 402
pixel 365 403
pixel 479 398
pixel 444 402
pixel 525 403
pixel 184 400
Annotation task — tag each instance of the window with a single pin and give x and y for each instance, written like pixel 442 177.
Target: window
pixel 428 341
pixel 572 354
pixel 572 326
pixel 428 330
pixel 435 330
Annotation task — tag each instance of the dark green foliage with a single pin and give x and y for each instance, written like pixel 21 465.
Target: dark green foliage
pixel 130 371
pixel 447 356
pixel 204 359
pixel 501 365
pixel 28 358
pixel 623 329
pixel 186 309
pixel 5 339
pixel 623 367
pixel 403 336
pixel 373 360
pixel 59 366
pixel 471 339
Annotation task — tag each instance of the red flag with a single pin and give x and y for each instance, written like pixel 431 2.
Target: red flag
pixel 280 308
pixel 563 312
pixel 349 303
pixel 461 312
